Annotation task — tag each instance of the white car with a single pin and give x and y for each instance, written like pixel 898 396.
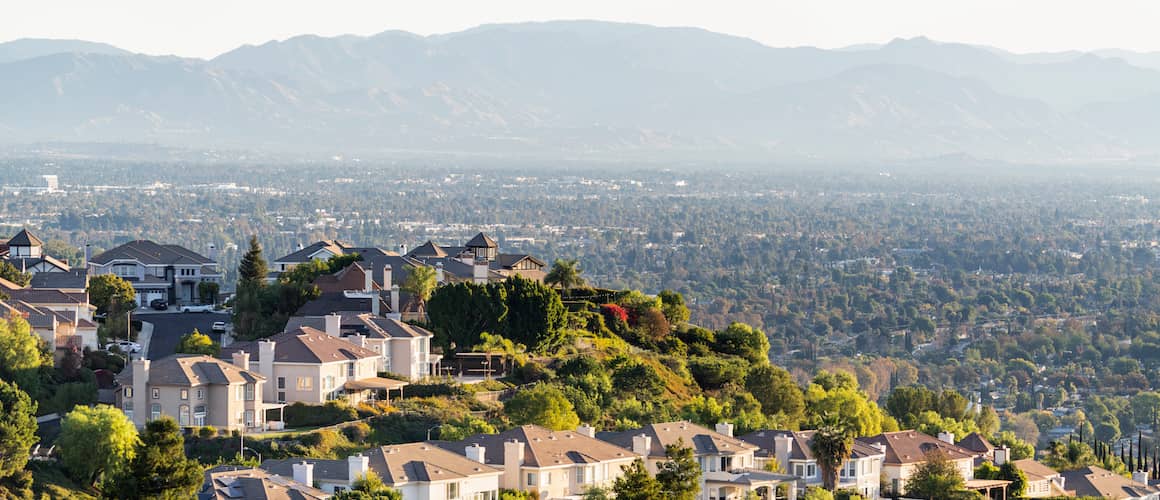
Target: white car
pixel 124 346
pixel 219 326
pixel 197 308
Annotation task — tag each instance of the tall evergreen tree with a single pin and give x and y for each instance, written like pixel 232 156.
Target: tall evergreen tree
pixel 680 475
pixel 17 428
pixel 160 469
pixel 253 269
pixel 636 484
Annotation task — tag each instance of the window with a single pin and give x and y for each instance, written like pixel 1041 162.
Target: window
pixel 249 418
pixel 239 392
pixel 305 383
pixel 281 396
pixel 799 470
pixel 249 392
pixel 547 478
pixel 185 394
pixel 200 394
pixel 156 393
pixel 328 383
pixel 350 370
pixel 452 491
pixel 281 382
pixel 183 415
pixel 128 392
pixel 154 411
pixel 127 407
pixel 199 415
pixel 726 463
pixel 581 474
pixel 531 479
pixel 811 470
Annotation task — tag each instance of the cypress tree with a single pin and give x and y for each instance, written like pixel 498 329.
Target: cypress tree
pixel 252 270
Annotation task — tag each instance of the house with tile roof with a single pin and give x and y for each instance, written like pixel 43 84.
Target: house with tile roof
pixel 417 470
pixel 729 468
pixel 195 390
pixel 231 483
pixel 793 453
pixel 905 451
pixel 63 319
pixel 550 464
pixel 404 349
pixel 307 365
pixel 1042 481
pixel 1097 482
pixel 26 253
pixel 156 271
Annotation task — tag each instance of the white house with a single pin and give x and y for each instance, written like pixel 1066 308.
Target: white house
pixel 861 472
pixel 404 349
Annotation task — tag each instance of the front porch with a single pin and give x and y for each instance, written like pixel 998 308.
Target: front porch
pixel 737 485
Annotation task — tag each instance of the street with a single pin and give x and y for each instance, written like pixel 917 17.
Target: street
pixel 169 327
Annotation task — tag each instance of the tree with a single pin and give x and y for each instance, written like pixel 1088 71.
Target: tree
pixel 252 270
pixel 20 354
pixel 496 344
pixel 740 339
pixel 10 273
pixel 459 312
pixel 420 284
pixel 1009 472
pixel 565 274
pixel 17 429
pixel 208 291
pixel 462 428
pixel 636 483
pixel 196 342
pixel 907 402
pixel 831 445
pixel 544 405
pixel 774 387
pixel 673 305
pixel 935 478
pixel 159 469
pixel 680 475
pixel 369 487
pixel 95 441
pixel 836 394
pixel 1020 449
pixel 987 421
pixel 535 315
pixel 110 293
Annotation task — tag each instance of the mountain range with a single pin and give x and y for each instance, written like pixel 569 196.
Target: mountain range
pixel 583 88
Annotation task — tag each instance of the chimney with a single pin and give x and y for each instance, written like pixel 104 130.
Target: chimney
pixel 586 430
pixel 946 437
pixel 479 272
pixel 1140 476
pixel 642 445
pixel 395 301
pixel 781 448
pixel 725 428
pixel 388 278
pixel 880 447
pixel 376 304
pixel 1001 455
pixel 266 368
pixel 368 280
pixel 304 473
pixel 88 255
pixel 242 360
pixel 356 467
pixel 358 340
pixel 213 252
pixel 140 391
pixel 439 273
pixel 476 452
pixel 513 459
pixel 402 249
pixel 333 325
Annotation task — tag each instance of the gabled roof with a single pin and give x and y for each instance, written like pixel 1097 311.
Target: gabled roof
pixel 423 462
pixel 702 440
pixel 226 484
pixel 339 302
pixel 481 241
pixel 1035 471
pixel 325 470
pixel 73 279
pixel 48 296
pixel 976 442
pixel 542 447
pixel 25 239
pixel 305 345
pixel 363 324
pixel 427 250
pixel 191 370
pixel 507 260
pixel 909 447
pixel 1097 482
pixel 306 253
pixel 149 253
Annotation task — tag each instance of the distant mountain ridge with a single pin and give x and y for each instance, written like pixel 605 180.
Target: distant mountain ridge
pixel 589 88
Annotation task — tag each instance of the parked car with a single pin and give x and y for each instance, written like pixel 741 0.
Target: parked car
pixel 219 326
pixel 159 304
pixel 124 346
pixel 197 308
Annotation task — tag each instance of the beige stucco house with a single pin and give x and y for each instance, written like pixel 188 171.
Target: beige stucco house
pixel 194 390
pixel 403 349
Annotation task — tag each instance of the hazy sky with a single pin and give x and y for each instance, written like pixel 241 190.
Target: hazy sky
pixel 204 28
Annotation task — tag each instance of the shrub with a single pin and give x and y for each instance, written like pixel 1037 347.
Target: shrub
pixel 717 372
pixel 206 432
pixel 333 412
pixel 357 433
pixel 432 390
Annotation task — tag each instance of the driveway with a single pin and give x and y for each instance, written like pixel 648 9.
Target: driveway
pixel 169 327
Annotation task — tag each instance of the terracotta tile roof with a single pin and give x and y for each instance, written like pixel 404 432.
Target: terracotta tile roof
pixel 542 447
pixel 909 447
pixel 702 440
pixel 423 462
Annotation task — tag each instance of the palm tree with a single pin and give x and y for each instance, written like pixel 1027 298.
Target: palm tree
pixel 491 344
pixel 831 446
pixel 420 283
pixel 565 274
